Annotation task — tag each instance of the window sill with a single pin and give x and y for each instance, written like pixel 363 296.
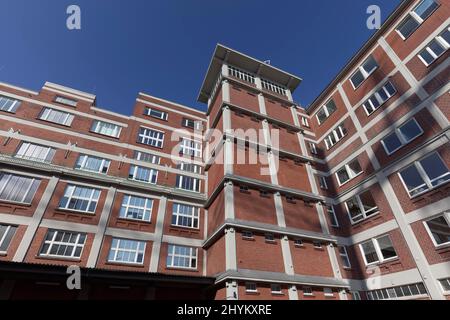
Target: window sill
pixel 3 254
pixel 416 196
pixel 346 182
pixel 134 220
pixel 58 258
pixel 248 239
pixel 193 270
pixel 308 295
pixel 365 219
pixel 252 293
pixel 183 228
pixel 104 135
pixel 384 262
pixel 68 211
pixel 277 294
pixel 125 264
pixel 28 205
pixel 270 241
pixel 442 246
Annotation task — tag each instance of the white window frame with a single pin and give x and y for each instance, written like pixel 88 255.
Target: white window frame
pixel 427 181
pixel 298 242
pixel 126 206
pixel 117 249
pixel 7 232
pixel 338 133
pixel 84 158
pixel 27 147
pixel 132 174
pixel 276 292
pixel 66 117
pixel 328 292
pixel 156 142
pixel 247 234
pixel 440 41
pixel 378 252
pixel 193 255
pixel 326 109
pixel 443 289
pixel 139 155
pixel 251 290
pixel 66 101
pixel 373 211
pixel 69 194
pixel 416 17
pixel 96 127
pixel 52 242
pixel 332 214
pixel 446 216
pixel 12 108
pixel 313 148
pixel 197 124
pixel 191 147
pixel 307 291
pixel 378 97
pixel 398 133
pixel 150 112
pixel 345 259
pixel 196 182
pixel 323 182
pixel 350 173
pixel 305 121
pixel 194 216
pixel 29 192
pixel 364 73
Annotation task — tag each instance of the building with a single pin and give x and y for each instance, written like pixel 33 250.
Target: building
pixel 348 199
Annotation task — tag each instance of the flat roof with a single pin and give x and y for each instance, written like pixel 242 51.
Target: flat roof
pixel 240 60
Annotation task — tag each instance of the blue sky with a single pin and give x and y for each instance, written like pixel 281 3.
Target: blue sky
pixel 163 48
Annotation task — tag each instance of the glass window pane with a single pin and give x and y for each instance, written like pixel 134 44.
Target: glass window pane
pixel 357 79
pixel 408 26
pixel 439 229
pixel 425 8
pixel 413 180
pixel 369 252
pixel 368 203
pixel 370 65
pixel 387 250
pixel 392 142
pixel 435 169
pixel 410 130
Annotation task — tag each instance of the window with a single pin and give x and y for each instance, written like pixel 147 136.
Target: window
pixel 156 113
pixel 332 215
pixel 436 48
pixel 267 85
pixel 326 111
pixel 439 229
pixel 348 172
pixel 307 291
pixel 189 167
pixel 363 72
pixel 298 242
pixel 355 295
pixel 126 251
pixel 250 287
pixel 361 207
pixel 328 292
pixel 146 157
pixel 238 73
pixel 66 101
pixel 192 124
pixel 425 174
pixel 35 152
pixel 8 104
pixel 188 183
pixel 335 136
pixel 317 244
pixel 142 174
pixel 378 250
pixel 401 136
pixel 305 122
pixel 184 215
pixel 63 244
pixel 379 97
pixel 247 234
pixel 276 288
pixel 80 198
pixel 6 234
pixel 137 208
pixel 105 128
pixel 151 137
pixel 92 164
pixel 313 148
pixel 397 292
pixel 191 147
pixel 445 284
pixel 344 257
pixel 323 183
pixel 55 116
pixel 17 188
pixel 181 257
pixel 416 17
pixel 243 189
pixel 269 237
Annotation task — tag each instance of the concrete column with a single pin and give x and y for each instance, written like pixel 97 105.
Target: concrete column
pixel 156 249
pixel 230 249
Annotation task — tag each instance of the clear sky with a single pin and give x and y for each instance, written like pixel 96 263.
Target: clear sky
pixel 163 48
